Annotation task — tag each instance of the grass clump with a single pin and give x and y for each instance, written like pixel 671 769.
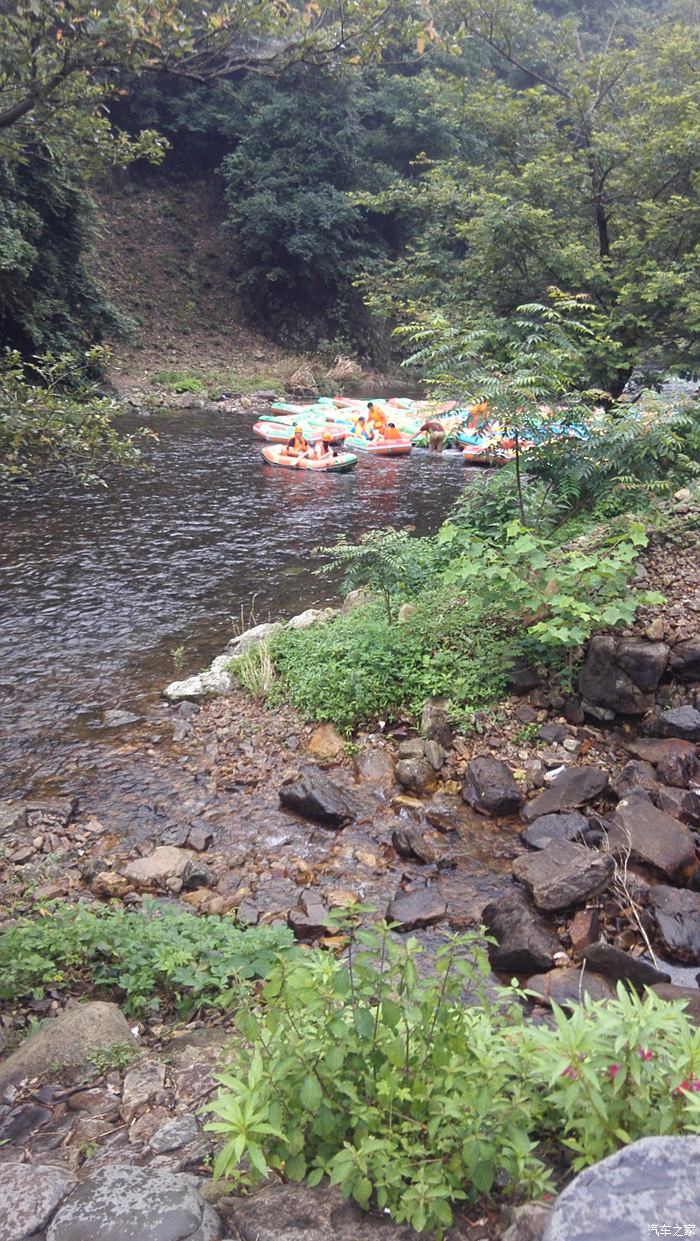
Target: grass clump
pixel 410 1099
pixel 158 960
pixel 178 381
pixel 254 670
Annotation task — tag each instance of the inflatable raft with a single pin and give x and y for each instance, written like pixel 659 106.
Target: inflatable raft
pixel 380 448
pixel 277 432
pixel 340 464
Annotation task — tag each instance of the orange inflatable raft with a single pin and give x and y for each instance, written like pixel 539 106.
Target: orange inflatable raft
pixel 339 464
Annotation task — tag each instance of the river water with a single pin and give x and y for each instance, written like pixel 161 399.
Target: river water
pixel 98 587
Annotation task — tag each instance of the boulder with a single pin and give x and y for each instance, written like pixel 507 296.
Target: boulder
pixel 622 674
pixel 412 747
pixel 651 837
pixel 326 742
pixel 251 637
pixel 683 722
pixel 435 722
pixel 121 1203
pixel 684 661
pixel 421 907
pixel 142 1085
pixel 376 766
pixel 175 1133
pixel 551 827
pixel 676 913
pixel 314 795
pixel 490 787
pixel 67 1040
pixel 675 760
pixel 357 599
pixel 29 1195
pixel 406 612
pixel 416 775
pixel 297 1213
pixel 690 996
pixel 529 1222
pixel 13 817
pixel 621 967
pixel 636 775
pixel 413 842
pixel 526 944
pixel 652 1182
pixel 568 986
pixel 312 616
pixel 572 788
pixel 164 863
pixel 681 804
pixel 563 874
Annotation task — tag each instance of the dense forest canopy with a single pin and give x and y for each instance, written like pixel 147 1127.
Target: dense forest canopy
pixel 377 160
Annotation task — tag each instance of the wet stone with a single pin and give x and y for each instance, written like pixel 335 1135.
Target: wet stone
pixel 314 795
pixel 651 837
pixel 29 1195
pixel 551 827
pixel 416 775
pixel 677 917
pixel 526 943
pixel 121 1203
pixel 419 908
pixel 567 986
pixel 563 874
pixel 414 842
pixel 490 787
pixel 573 787
pixel 621 967
pixel 681 722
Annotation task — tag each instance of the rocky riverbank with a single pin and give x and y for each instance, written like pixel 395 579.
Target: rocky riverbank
pixel 568 824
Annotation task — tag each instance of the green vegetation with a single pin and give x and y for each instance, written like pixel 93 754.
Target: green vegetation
pixel 178 381
pixel 160 960
pixel 417 1092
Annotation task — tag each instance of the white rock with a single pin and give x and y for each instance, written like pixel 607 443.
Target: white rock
pixel 251 637
pixel 312 616
pixel 181 691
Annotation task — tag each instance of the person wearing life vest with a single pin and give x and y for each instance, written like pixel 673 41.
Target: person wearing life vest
pixel 392 432
pixel 437 434
pixel 377 418
pixel 361 430
pixel 297 446
pixel 323 449
pixel 477 414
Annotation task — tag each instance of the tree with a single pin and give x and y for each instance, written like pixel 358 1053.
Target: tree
pixel 580 169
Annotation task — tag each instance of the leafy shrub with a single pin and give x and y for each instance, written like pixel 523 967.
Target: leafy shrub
pixel 359 667
pixel 399 1090
pixel 160 959
pixel 390 563
pixel 178 381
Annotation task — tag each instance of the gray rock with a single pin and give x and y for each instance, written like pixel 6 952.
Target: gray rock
pixel 29 1195
pixel 675 760
pixel 435 755
pixel 526 944
pixel 572 788
pixel 652 1181
pixel 416 775
pixel 421 907
pixel 676 914
pixel 567 987
pixel 314 795
pixel 67 1040
pixel 681 804
pixel 689 996
pixel 121 1203
pixel 376 766
pixel 164 863
pixel 252 637
pixel 563 874
pixel 529 1222
pixel 554 827
pixel 413 747
pixel 651 837
pixel 113 718
pixel 413 842
pixel 636 775
pixel 622 674
pixel 435 722
pixel 490 787
pixel 296 1213
pixel 142 1085
pixel 605 959
pixel 683 722
pixel 174 1134
pixel 13 817
pixel 684 662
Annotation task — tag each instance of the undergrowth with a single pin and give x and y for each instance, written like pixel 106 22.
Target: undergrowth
pixel 157 960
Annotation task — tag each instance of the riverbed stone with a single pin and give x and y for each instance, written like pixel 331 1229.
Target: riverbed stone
pixel 375 765
pixel 684 662
pixel 252 637
pixel 176 1132
pixel 622 674
pixel 419 908
pixel 563 874
pixel 651 837
pixel 676 914
pixel 572 788
pixel 122 1203
pixel 606 959
pixel 567 986
pixel 29 1195
pixel 683 804
pixel 490 787
pixel 326 742
pixel 526 943
pixel 142 1085
pixel 636 775
pixel 312 616
pixel 683 722
pixel 416 775
pixel 435 722
pixel 163 863
pixel 551 827
pixel 676 760
pixel 314 795
pixel 651 1182
pixel 690 996
pixel 67 1040
pixel 13 817
pixel 297 1213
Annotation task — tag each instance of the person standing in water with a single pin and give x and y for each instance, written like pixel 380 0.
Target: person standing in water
pixel 437 434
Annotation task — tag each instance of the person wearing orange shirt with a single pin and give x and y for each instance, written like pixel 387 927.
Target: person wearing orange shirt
pixel 377 418
pixel 392 432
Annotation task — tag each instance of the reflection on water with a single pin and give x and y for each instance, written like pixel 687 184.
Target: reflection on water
pixel 98 587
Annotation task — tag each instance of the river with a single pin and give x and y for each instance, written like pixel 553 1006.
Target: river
pixel 98 587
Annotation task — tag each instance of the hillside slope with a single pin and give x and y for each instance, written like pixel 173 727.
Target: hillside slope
pixel 164 256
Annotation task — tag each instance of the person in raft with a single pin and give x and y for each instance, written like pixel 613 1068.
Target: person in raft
pixel 361 430
pixel 297 446
pixel 392 433
pixel 376 417
pixel 323 448
pixel 437 434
